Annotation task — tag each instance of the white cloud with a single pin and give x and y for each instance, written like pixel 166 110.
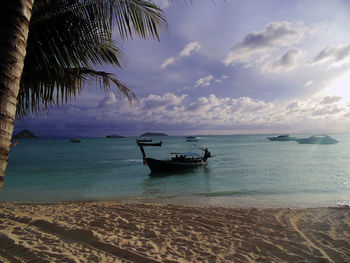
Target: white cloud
pixel 287 62
pixel 275 34
pixel 187 51
pixel 221 79
pixel 157 101
pixel 204 82
pixel 168 62
pixel 213 112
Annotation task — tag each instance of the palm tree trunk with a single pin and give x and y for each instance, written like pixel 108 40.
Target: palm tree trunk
pixel 14 28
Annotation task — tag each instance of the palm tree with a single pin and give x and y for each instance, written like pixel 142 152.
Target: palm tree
pixel 14 27
pixel 67 39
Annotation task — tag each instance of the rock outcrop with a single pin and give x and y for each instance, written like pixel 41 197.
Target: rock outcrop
pixel 24 134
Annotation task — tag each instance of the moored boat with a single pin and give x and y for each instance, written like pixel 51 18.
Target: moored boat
pixel 282 138
pixel 114 136
pixel 317 139
pixel 191 138
pixel 178 161
pixel 76 140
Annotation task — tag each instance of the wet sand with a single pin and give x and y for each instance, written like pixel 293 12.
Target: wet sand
pixel 121 232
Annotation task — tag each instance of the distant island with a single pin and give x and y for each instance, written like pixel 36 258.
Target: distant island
pixel 114 136
pixel 153 134
pixel 24 134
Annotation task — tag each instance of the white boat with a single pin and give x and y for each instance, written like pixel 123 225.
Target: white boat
pixel 317 139
pixel 282 138
pixel 191 138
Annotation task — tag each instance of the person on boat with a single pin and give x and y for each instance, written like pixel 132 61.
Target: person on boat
pixel 207 153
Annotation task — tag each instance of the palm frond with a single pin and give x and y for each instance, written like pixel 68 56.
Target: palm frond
pixel 68 38
pixel 142 17
pixel 61 86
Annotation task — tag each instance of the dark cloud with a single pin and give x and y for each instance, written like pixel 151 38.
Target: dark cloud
pixel 275 34
pixel 332 54
pixel 287 62
pixel 331 99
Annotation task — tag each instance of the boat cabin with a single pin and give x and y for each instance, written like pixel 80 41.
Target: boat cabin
pixel 186 157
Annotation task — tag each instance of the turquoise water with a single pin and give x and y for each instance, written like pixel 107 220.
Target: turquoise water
pixel 247 170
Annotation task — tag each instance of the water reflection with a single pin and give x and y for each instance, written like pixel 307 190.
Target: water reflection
pixel 177 184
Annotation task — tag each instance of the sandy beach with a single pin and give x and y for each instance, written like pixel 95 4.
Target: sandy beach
pixel 127 232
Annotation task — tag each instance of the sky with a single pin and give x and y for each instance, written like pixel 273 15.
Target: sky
pixel 224 67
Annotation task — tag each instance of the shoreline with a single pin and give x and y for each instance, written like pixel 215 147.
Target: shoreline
pixel 119 231
pixel 295 201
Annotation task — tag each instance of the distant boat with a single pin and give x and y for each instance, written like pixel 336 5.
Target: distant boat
pixel 144 140
pixel 282 138
pixel 178 161
pixel 77 140
pixel 191 138
pixel 114 136
pixel 317 139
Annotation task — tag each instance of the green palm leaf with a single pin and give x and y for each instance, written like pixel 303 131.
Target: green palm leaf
pixel 69 38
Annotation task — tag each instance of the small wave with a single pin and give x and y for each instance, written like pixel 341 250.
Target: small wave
pixel 221 193
pixel 134 160
pixel 122 160
pixel 108 161
pixel 342 204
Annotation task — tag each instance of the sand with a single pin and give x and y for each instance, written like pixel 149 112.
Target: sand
pixel 124 232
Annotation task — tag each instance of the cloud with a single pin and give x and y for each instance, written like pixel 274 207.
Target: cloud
pixel 287 62
pixel 228 112
pixel 187 51
pixel 156 101
pixel 168 62
pixel 275 34
pixel 204 82
pixel 221 79
pixel 107 100
pixel 331 99
pixel 169 112
pixel 328 110
pixel 332 54
pixel 293 105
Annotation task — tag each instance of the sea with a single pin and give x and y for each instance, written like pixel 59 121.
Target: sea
pixel 245 171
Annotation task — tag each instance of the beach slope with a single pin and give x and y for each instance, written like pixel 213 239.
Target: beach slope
pixel 119 232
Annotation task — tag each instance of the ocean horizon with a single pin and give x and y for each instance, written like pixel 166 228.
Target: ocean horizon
pixel 247 171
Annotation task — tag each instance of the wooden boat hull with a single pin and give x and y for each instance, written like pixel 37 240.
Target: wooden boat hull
pixel 157 166
pixel 149 143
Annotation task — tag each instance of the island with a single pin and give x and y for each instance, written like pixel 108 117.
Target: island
pixel 148 134
pixel 24 134
pixel 114 136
